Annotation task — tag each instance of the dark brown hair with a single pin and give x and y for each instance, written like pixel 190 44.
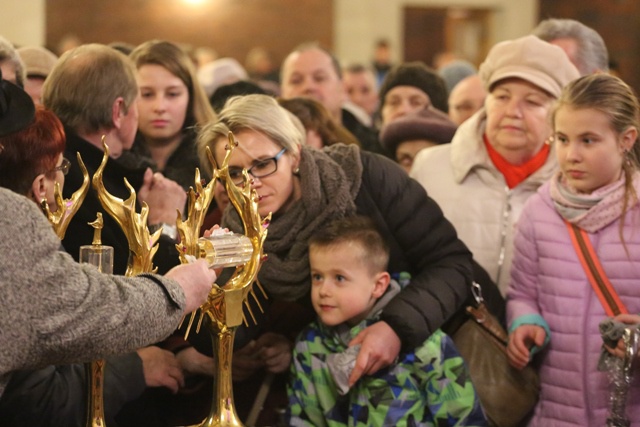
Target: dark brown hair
pixel 314 116
pixel 356 229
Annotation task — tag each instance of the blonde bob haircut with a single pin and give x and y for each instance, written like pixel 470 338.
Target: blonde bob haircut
pixel 259 113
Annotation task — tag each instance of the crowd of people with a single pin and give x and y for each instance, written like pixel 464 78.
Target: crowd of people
pixel 391 189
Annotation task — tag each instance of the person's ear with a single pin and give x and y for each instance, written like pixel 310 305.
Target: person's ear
pixel 117 112
pixel 296 156
pixel 38 189
pixel 628 138
pixel 381 284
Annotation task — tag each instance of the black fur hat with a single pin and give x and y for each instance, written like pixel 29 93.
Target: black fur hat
pixel 16 108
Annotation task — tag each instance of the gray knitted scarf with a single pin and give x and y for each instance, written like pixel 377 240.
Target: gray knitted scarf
pixel 329 180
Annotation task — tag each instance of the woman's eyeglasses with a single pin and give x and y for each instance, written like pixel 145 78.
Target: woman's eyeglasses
pixel 64 167
pixel 260 169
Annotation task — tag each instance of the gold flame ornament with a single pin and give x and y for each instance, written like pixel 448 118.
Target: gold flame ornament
pixel 198 202
pixel 66 208
pixel 224 306
pixel 142 245
pixel 142 248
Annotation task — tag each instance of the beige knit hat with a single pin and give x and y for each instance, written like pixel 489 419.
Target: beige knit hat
pixel 38 61
pixel 531 59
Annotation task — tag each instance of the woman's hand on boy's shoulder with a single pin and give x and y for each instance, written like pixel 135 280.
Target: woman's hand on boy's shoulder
pixel 380 346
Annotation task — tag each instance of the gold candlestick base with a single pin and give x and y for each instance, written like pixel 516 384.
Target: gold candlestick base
pixel 94 372
pixel 224 315
pixel 223 411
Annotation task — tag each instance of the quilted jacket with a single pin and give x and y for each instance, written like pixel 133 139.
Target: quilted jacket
pixel 548 280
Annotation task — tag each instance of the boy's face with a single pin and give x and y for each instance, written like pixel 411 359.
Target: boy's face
pixel 343 289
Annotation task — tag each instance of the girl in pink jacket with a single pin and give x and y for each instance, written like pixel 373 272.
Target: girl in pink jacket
pixel 552 308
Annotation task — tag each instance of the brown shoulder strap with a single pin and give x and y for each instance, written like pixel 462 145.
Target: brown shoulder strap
pixel 599 282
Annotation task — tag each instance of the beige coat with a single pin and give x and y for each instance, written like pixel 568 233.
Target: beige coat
pixel 474 195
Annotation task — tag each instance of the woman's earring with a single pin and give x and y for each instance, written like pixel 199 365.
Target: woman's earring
pixel 296 171
pixel 549 140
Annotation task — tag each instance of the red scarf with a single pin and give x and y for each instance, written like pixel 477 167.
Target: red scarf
pixel 515 174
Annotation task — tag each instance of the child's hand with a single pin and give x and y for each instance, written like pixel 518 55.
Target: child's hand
pixel 520 342
pixel 620 349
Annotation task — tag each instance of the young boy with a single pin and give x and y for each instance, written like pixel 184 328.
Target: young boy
pixel 350 286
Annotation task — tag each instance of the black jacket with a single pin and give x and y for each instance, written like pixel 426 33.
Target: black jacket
pixel 422 242
pixel 367 137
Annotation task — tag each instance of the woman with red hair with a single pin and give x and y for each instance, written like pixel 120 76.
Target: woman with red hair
pixel 31 161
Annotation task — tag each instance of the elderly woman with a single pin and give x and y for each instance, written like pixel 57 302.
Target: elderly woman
pixel 500 156
pixel 305 189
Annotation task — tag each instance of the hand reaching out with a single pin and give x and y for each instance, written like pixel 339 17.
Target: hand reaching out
pixel 520 342
pixel 161 368
pixel 193 362
pixel 620 349
pixel 196 280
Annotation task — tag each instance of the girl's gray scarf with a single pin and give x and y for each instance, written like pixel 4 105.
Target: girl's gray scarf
pixel 329 180
pixel 594 211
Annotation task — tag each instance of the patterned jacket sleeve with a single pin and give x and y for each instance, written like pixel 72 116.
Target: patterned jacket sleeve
pixel 304 394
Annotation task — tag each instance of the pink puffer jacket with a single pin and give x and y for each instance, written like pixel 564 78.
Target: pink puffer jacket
pixel 548 279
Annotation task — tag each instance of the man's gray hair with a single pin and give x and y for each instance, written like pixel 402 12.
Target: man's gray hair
pixel 8 53
pixel 592 55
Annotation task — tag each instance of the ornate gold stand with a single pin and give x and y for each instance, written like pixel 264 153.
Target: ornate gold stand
pixel 101 257
pixel 142 248
pixel 224 307
pixel 227 309
pixel 94 377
